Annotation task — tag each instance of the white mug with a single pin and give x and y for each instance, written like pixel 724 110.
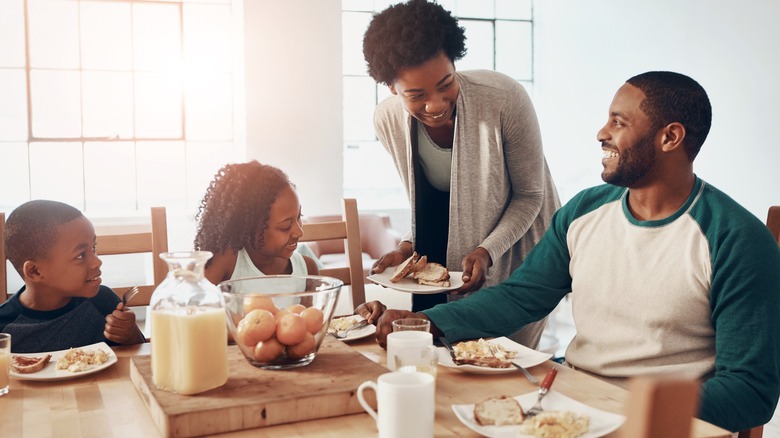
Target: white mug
pixel 397 341
pixel 405 404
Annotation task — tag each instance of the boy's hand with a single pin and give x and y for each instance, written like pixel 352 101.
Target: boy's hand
pixel 121 327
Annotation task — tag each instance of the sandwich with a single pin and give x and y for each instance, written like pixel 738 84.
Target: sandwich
pixel 499 411
pixel 28 364
pixel 433 274
pixel 408 266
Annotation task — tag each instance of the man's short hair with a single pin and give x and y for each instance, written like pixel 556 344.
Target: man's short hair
pixel 31 230
pixel 408 34
pixel 673 97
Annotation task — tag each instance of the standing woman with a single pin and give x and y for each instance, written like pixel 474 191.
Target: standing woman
pixel 467 147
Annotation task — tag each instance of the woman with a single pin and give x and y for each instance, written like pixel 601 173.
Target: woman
pixel 467 147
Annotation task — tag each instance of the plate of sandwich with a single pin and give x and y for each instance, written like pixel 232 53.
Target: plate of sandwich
pixel 418 276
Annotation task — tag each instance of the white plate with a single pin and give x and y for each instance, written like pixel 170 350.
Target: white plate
pixel 49 372
pixel 526 358
pixel 411 285
pixel 601 422
pixel 358 333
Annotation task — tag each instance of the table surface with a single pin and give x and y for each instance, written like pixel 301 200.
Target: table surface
pixel 106 403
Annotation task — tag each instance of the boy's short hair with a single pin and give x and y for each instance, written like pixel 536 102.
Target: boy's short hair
pixel 31 229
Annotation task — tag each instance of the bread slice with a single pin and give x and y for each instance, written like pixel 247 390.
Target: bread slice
pixel 28 364
pixel 440 283
pixel 498 411
pixel 404 269
pixel 432 273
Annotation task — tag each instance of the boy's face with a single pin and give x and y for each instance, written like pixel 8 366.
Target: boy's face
pixel 71 268
pixel 284 226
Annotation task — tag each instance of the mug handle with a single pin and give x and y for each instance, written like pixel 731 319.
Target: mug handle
pixel 366 406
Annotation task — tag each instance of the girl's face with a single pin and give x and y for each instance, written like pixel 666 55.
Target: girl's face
pixel 284 229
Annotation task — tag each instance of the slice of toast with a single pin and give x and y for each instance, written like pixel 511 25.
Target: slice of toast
pixel 498 411
pixel 405 268
pixel 29 364
pixel 432 273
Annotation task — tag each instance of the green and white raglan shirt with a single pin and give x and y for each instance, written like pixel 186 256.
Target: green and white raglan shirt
pixel 695 293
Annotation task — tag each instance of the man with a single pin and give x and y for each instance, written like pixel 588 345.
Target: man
pixel 667 273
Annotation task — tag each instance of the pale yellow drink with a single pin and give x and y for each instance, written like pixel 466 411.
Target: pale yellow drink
pixel 5 370
pixel 189 349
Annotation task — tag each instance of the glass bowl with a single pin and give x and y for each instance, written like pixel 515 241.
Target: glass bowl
pixel 280 321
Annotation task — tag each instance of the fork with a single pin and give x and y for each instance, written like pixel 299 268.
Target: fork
pixel 343 333
pixel 129 294
pixel 531 378
pixel 543 390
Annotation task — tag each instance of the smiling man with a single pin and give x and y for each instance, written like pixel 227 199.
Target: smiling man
pixel 667 273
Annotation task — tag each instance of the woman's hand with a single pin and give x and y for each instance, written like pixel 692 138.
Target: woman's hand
pixel 372 311
pixel 393 258
pixel 475 270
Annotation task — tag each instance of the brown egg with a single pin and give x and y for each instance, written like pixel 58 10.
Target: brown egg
pixel 290 329
pixel 268 350
pixel 302 348
pixel 256 302
pixel 256 326
pixel 314 319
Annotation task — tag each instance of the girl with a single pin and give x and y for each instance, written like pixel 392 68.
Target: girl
pixel 250 219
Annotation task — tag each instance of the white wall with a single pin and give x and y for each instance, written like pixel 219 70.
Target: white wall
pixel 293 95
pixel 584 51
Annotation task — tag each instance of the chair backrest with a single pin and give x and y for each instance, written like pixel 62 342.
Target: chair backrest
pixel 377 236
pixel 154 241
pixel 3 262
pixel 773 222
pixel 660 406
pixel 347 229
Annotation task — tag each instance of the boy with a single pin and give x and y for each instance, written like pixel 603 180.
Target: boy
pixel 62 304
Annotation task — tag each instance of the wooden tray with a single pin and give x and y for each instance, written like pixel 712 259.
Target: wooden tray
pixel 254 397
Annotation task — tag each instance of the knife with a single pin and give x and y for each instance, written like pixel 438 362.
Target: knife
pixel 447 345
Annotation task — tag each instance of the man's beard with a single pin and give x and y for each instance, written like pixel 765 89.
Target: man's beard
pixel 633 164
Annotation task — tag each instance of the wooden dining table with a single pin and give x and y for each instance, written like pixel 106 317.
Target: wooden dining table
pixel 107 404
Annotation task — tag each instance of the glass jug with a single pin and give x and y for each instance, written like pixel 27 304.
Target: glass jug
pixel 188 327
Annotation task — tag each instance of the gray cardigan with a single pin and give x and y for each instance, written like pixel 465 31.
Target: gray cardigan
pixel 502 195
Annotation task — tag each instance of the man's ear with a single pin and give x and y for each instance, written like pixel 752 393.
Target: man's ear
pixel 392 89
pixel 31 271
pixel 672 137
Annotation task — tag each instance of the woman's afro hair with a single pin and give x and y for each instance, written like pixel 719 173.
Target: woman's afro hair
pixel 408 34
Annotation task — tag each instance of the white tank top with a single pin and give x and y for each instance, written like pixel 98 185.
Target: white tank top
pixel 436 161
pixel 245 268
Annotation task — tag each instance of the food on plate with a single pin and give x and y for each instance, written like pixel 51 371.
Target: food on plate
pixel 483 353
pixel 556 424
pixel 81 359
pixel 407 267
pixel 341 324
pixel 28 364
pixel 499 411
pixel 433 274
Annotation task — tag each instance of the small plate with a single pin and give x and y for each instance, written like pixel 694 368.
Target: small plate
pixel 358 333
pixel 50 373
pixel 526 358
pixel 601 422
pixel 410 285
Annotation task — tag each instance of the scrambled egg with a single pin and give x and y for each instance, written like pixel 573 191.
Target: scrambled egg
pixel 77 359
pixel 341 324
pixel 556 424
pixel 483 353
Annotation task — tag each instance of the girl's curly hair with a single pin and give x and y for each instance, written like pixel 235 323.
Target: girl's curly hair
pixel 237 202
pixel 408 34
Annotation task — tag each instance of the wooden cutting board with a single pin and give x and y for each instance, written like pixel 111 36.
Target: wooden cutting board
pixel 254 397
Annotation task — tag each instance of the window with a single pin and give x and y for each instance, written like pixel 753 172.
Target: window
pixel 499 37
pixel 115 105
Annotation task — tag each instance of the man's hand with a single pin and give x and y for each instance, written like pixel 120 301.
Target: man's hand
pixel 121 327
pixel 393 258
pixel 475 270
pixel 371 311
pixel 385 324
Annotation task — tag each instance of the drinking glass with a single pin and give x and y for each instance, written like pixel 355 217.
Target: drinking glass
pixel 416 324
pixel 424 360
pixel 5 362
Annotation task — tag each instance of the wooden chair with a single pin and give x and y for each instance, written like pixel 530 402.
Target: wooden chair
pixel 154 241
pixel 660 406
pixel 347 229
pixel 773 222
